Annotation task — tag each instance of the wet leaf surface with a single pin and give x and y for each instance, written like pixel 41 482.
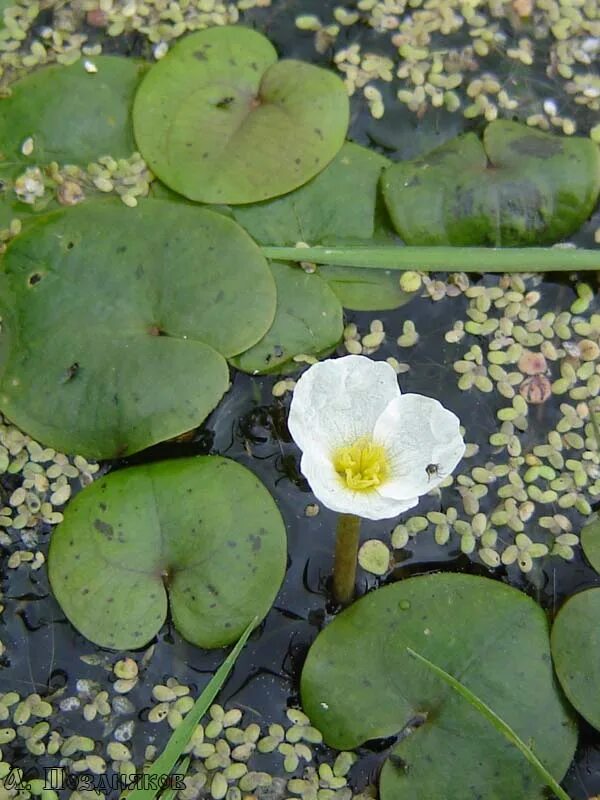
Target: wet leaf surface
pixel 365 289
pixel 359 683
pixel 339 206
pixel 263 129
pixel 309 319
pixel 576 652
pixel 590 541
pixel 518 186
pixel 117 322
pixel 72 115
pixel 200 533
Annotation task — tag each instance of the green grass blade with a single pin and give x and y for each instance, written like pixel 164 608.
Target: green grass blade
pixel 465 259
pixel 496 721
pixel 172 753
pixel 181 769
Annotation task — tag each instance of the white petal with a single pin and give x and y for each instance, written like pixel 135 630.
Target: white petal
pixel 338 401
pixel 329 489
pixel 418 431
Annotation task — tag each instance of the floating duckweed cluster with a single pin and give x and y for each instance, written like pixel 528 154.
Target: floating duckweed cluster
pixel 127 178
pixel 226 755
pixel 46 482
pixel 429 69
pixel 22 47
pixel 432 72
pixel 523 358
pixel 372 341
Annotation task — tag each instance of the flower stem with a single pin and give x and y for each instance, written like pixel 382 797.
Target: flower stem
pixel 465 259
pixel 346 554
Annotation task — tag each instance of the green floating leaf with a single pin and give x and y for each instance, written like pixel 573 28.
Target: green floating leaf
pixel 72 115
pixel 203 532
pixel 360 683
pixel 309 319
pixel 117 321
pixel 576 653
pixel 220 120
pixel 497 722
pixel 365 289
pixel 517 187
pixel 338 206
pixel 590 541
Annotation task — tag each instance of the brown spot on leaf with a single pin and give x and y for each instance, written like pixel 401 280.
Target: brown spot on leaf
pixel 104 528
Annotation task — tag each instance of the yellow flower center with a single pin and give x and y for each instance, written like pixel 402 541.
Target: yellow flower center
pixel 362 466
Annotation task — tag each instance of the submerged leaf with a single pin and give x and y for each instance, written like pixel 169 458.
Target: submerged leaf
pixel 220 120
pixel 518 187
pixel 359 683
pixel 202 532
pixel 117 321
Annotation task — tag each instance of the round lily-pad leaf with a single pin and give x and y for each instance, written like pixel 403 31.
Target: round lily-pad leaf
pixel 201 533
pixel 309 319
pixel 220 120
pixel 116 322
pixel 576 653
pixel 72 115
pixel 360 683
pixel 518 186
pixel 590 541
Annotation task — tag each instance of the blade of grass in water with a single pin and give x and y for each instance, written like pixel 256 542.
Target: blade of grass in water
pixel 180 737
pixel 180 769
pixel 465 259
pixel 496 721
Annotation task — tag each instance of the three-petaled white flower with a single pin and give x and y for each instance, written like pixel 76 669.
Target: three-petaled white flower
pixel 366 448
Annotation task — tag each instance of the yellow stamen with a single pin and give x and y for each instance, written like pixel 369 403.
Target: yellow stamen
pixel 362 466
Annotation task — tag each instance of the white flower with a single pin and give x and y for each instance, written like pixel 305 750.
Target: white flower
pixel 366 448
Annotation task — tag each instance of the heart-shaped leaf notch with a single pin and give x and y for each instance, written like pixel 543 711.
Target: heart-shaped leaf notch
pixel 360 683
pixel 518 187
pixel 203 531
pixel 117 322
pixel 221 120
